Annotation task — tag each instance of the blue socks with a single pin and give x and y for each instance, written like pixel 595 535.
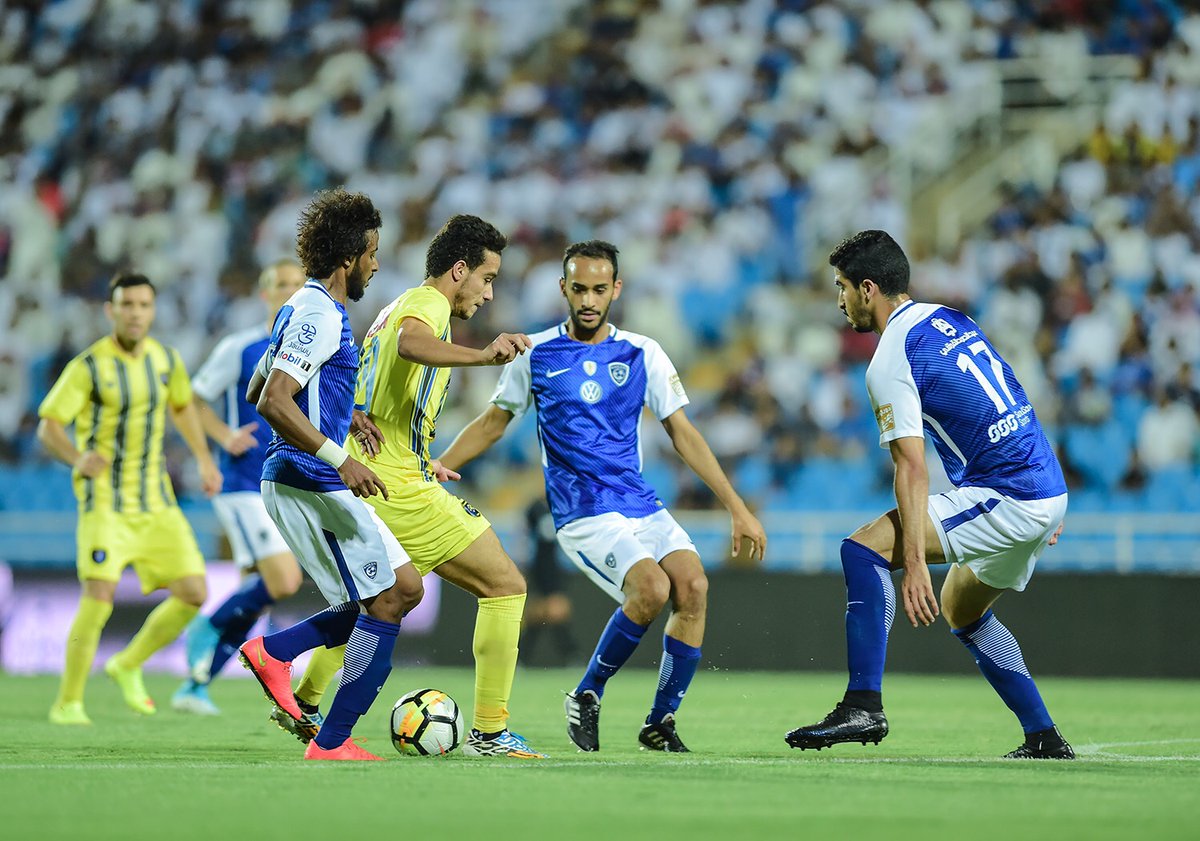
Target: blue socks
pixel 870 609
pixel 368 664
pixel 621 636
pixel 999 658
pixel 674 676
pixel 329 628
pixel 234 619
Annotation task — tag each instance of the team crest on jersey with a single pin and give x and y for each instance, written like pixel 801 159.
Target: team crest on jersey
pixel 611 561
pixel 589 367
pixel 307 333
pixel 370 569
pixel 885 418
pixel 619 372
pixel 99 556
pixel 469 508
pixel 943 326
pixel 590 391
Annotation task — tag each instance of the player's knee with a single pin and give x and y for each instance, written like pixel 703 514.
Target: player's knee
pixel 691 592
pixel 192 591
pixel 646 592
pixel 409 592
pixel 959 615
pixel 283 586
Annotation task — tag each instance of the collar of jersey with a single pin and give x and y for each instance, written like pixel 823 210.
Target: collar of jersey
pixel 313 284
pixel 900 309
pixel 562 331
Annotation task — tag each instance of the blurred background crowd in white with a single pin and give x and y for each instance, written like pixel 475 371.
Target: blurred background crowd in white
pixel 723 146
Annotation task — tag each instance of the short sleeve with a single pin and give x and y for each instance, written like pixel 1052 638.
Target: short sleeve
pixel 70 393
pixel 309 339
pixel 220 371
pixel 179 384
pixel 895 398
pixel 428 305
pixel 664 390
pixel 514 392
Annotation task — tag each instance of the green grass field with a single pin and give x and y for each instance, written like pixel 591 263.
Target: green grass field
pixel 936 775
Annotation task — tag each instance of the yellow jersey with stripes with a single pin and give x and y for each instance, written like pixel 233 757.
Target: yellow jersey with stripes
pixel 117 403
pixel 404 398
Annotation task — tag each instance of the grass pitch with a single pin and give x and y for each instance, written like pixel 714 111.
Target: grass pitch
pixel 937 775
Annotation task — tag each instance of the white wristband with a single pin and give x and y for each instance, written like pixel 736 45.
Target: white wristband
pixel 332 454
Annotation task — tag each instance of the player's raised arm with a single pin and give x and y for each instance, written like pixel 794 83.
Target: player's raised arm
pixel 697 455
pixel 416 342
pixel 277 403
pixel 912 495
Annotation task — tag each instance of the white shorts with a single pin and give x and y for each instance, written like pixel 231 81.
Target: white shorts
pixel 338 539
pixel 604 547
pixel 252 533
pixel 998 537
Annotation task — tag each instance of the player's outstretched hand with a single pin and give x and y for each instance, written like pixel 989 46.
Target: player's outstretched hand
pixel 748 530
pixel 361 479
pixel 1057 534
pixel 240 440
pixel 211 479
pixel 366 433
pixel 919 601
pixel 441 472
pixel 90 464
pixel 505 348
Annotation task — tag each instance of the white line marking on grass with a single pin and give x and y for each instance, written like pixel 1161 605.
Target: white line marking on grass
pixel 1104 745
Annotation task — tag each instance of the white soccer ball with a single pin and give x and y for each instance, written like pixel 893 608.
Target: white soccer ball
pixel 426 723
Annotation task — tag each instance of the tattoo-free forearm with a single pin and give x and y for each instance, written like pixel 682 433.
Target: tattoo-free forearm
pixel 57 442
pixel 476 438
pixel 187 421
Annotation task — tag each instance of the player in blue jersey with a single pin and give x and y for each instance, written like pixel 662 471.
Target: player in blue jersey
pixel 935 372
pixel 258 548
pixel 304 388
pixel 588 383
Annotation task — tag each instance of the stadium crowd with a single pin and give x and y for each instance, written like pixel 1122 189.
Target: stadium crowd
pixel 724 147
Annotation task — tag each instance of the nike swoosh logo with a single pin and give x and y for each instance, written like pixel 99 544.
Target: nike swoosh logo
pixel 605 665
pixel 552 374
pixel 261 661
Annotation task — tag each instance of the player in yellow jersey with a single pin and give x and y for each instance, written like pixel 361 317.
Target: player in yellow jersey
pixel 116 394
pixel 403 378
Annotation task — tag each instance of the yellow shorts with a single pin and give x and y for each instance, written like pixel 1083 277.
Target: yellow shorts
pixel 431 523
pixel 160 545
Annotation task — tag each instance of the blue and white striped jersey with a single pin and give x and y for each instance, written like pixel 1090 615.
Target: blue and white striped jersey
pixel 589 401
pixel 935 371
pixel 313 344
pixel 225 376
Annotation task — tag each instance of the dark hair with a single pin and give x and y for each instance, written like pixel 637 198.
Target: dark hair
pixel 333 229
pixel 595 248
pixel 874 255
pixel 463 238
pixel 124 280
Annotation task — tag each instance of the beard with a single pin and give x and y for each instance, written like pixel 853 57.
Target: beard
pixel 356 283
pixel 600 322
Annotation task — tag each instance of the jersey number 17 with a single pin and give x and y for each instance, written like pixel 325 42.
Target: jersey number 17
pixel 967 364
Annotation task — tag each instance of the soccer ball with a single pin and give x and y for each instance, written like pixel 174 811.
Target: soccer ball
pixel 426 723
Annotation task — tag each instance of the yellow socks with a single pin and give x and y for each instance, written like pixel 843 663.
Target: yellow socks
pixel 163 625
pixel 322 667
pixel 497 630
pixel 82 640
